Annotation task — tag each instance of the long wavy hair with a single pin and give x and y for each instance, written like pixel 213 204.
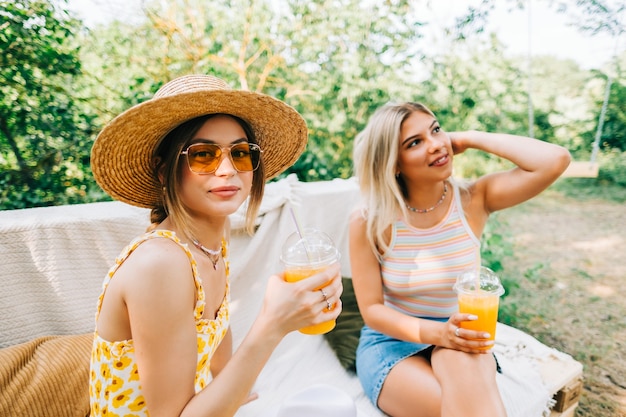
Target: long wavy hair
pixel 375 159
pixel 168 164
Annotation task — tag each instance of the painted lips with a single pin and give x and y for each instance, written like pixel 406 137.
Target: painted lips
pixel 440 161
pixel 225 191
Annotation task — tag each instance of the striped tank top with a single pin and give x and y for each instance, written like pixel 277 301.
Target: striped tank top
pixel 421 265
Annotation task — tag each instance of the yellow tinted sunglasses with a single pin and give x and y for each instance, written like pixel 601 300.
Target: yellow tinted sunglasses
pixel 204 158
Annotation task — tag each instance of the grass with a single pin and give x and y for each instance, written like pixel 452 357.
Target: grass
pixel 562 266
pixel 585 189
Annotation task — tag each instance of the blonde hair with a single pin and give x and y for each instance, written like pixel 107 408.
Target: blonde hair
pixel 168 165
pixel 375 159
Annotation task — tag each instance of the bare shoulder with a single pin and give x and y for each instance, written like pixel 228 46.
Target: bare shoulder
pixel 357 218
pixel 159 252
pixel 155 261
pixel 471 192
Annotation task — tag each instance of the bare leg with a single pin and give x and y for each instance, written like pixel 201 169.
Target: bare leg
pixel 411 390
pixel 468 384
pixel 451 384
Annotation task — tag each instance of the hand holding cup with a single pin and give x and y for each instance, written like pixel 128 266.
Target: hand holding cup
pixel 305 254
pixel 479 291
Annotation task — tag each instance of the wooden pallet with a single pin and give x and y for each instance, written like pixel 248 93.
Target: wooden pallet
pixel 564 379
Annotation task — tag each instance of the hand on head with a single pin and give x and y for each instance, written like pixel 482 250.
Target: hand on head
pixel 458 146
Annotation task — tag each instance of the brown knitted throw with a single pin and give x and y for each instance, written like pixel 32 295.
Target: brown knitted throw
pixel 47 376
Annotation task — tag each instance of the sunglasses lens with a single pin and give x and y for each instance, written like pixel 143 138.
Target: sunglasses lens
pixel 204 158
pixel 245 157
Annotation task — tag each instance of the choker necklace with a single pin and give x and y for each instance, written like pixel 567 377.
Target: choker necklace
pixel 437 204
pixel 213 255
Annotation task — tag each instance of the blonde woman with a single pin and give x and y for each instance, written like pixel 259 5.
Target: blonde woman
pixel 415 232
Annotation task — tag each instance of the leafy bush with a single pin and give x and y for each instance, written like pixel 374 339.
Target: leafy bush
pixel 496 246
pixel 613 167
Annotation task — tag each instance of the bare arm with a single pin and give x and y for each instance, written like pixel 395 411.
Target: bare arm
pixel 223 354
pixel 286 307
pixel 538 164
pixel 160 296
pixel 368 288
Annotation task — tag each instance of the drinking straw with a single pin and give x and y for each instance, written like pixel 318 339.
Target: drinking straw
pixel 477 278
pixel 299 230
pixel 296 221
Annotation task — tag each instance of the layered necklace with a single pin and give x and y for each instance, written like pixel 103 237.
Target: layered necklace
pixel 213 255
pixel 437 204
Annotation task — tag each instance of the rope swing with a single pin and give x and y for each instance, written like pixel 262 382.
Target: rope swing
pixel 576 169
pixel 580 169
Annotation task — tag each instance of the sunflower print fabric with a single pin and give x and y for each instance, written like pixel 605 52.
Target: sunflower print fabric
pixel 114 384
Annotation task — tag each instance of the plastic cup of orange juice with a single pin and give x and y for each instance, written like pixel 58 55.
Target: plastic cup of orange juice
pixel 479 292
pixel 305 255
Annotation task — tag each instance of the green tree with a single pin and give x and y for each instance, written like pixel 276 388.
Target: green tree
pixel 334 61
pixel 43 142
pixel 611 135
pixel 614 129
pixel 608 17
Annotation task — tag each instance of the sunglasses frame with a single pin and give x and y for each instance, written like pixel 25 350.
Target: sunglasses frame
pixel 252 148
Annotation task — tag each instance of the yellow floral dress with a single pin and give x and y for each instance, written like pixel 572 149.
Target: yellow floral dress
pixel 114 385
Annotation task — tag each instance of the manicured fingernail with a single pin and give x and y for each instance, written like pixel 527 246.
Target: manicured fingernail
pixel 486 335
pixel 472 317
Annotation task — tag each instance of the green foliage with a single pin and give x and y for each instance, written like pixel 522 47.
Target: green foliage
pixel 334 61
pixel 613 167
pixel 585 189
pixel 495 245
pixel 319 57
pixel 44 138
pixel 613 135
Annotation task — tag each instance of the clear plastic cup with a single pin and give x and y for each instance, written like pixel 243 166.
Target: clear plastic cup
pixel 305 256
pixel 479 291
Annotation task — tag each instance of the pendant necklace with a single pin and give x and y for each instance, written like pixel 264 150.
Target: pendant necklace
pixel 213 255
pixel 437 204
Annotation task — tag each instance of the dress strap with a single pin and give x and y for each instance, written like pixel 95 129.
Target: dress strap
pixel 461 213
pixel 134 244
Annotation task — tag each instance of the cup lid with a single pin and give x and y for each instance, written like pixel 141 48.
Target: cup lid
pixel 488 282
pixel 313 247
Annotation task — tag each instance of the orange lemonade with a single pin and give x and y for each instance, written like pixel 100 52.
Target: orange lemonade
pixel 479 290
pixel 484 305
pixel 297 273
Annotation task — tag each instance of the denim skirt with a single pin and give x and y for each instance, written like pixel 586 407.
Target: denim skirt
pixel 377 354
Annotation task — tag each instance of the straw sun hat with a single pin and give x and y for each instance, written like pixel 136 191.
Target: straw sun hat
pixel 121 157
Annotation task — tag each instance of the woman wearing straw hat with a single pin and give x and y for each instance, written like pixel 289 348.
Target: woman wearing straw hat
pixel 418 229
pixel 194 154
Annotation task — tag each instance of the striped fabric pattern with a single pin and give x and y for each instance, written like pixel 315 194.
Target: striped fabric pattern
pixel 421 265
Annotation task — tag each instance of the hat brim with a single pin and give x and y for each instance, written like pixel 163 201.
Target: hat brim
pixel 121 157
